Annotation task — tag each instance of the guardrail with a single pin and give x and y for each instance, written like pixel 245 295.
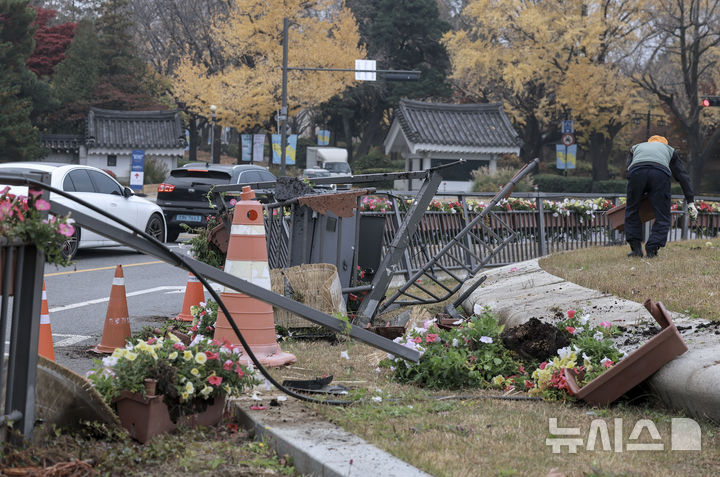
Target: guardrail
pixel 539 231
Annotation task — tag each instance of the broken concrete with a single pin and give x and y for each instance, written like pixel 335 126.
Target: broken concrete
pixel 691 382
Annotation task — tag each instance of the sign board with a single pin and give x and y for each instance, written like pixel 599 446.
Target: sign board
pixel 566 156
pixel 323 137
pixel 246 147
pixel 567 127
pixel 137 169
pixel 568 139
pixel 365 65
pixel 258 149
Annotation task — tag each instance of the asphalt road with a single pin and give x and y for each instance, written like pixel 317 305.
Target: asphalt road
pixel 78 298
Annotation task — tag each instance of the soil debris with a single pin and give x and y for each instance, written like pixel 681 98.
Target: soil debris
pixel 534 339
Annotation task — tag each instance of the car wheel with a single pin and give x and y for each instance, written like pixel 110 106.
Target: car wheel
pixel 173 235
pixel 70 246
pixel 156 227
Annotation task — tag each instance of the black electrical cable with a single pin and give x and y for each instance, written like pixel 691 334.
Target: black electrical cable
pixel 180 262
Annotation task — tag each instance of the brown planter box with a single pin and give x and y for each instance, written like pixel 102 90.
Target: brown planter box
pixel 636 367
pixel 148 416
pixel 616 215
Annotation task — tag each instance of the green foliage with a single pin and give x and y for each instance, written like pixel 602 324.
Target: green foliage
pixel 155 171
pixel 22 218
pixel 610 186
pixel 557 183
pixel 467 356
pixel 483 181
pixel 18 137
pixel 201 247
pixel 185 375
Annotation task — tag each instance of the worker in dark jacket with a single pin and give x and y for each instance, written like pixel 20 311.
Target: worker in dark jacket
pixel 650 167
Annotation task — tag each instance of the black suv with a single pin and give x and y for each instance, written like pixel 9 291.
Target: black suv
pixel 183 194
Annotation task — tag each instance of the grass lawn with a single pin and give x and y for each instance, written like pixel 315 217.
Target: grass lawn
pixel 474 432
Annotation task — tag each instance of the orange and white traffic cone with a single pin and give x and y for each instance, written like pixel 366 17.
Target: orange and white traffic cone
pixel 194 295
pixel 45 342
pixel 117 322
pixel 247 259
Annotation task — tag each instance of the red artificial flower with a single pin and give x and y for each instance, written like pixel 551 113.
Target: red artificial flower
pixel 431 337
pixel 571 314
pixel 211 355
pixel 179 346
pixel 570 330
pixel 416 340
pixel 228 365
pixel 215 380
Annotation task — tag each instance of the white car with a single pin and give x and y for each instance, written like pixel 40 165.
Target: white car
pixel 98 188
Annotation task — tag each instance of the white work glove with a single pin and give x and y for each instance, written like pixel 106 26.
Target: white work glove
pixel 692 211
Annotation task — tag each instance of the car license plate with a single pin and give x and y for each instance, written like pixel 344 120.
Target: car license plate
pixel 188 218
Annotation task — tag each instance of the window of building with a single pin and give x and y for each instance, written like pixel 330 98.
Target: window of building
pixel 112 160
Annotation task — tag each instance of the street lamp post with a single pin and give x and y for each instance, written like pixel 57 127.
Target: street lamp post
pixel 390 75
pixel 213 109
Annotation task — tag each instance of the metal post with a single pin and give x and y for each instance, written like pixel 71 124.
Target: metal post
pixel 213 108
pixel 542 250
pixel 284 107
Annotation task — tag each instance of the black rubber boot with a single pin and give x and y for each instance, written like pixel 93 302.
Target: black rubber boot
pixel 651 252
pixel 636 249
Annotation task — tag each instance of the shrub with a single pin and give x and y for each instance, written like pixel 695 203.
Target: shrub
pixel 556 183
pixel 610 186
pixel 484 182
pixel 155 171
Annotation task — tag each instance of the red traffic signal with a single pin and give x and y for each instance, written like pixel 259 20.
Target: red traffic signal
pixel 708 101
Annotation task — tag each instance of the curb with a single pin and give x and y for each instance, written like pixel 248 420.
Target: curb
pixel 690 382
pixel 319 448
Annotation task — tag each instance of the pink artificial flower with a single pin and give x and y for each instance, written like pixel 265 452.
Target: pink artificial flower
pixel 542 365
pixel 431 337
pixel 41 204
pixel 521 369
pixel 608 363
pixel 5 190
pixel 416 340
pixel 233 202
pixel 239 371
pixel 606 324
pixel 570 330
pixel 35 193
pixel 151 340
pixel 211 355
pixel 215 380
pixel 179 346
pixel 228 365
pixel 571 314
pixel 514 269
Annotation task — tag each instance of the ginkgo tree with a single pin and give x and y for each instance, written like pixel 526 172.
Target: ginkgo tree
pixel 247 88
pixel 550 60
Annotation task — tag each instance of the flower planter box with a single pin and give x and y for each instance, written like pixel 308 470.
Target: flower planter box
pixel 616 215
pixel 148 416
pixel 636 367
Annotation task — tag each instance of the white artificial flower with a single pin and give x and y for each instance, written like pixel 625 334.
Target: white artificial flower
pixel 344 354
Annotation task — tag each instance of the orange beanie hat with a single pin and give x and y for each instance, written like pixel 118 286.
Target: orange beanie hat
pixel 658 139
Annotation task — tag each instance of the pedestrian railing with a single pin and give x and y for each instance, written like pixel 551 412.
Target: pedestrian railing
pixel 546 227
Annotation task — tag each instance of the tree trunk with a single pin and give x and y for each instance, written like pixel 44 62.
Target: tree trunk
pixel 193 144
pixel 600 146
pixel 347 132
pixel 216 145
pixel 373 134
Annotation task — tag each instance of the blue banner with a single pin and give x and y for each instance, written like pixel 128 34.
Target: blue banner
pixel 290 149
pixel 137 169
pixel 323 137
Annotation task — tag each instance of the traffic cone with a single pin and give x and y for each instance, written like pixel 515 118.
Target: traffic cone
pixel 194 295
pixel 247 259
pixel 45 343
pixel 117 322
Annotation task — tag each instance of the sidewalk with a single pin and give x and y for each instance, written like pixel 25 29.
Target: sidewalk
pixel 690 382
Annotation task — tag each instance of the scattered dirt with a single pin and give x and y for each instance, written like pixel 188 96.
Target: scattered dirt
pixel 534 339
pixel 81 351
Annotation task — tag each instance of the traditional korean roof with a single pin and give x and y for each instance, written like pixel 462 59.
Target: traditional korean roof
pixel 62 142
pixel 134 129
pixel 455 128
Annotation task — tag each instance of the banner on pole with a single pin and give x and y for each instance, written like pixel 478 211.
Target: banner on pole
pixel 323 137
pixel 246 145
pixel 290 148
pixel 258 147
pixel 566 156
pixel 137 169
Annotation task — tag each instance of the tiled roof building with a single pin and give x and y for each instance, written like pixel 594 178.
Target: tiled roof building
pixel 431 134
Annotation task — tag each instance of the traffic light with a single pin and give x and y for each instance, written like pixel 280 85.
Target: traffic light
pixel 708 101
